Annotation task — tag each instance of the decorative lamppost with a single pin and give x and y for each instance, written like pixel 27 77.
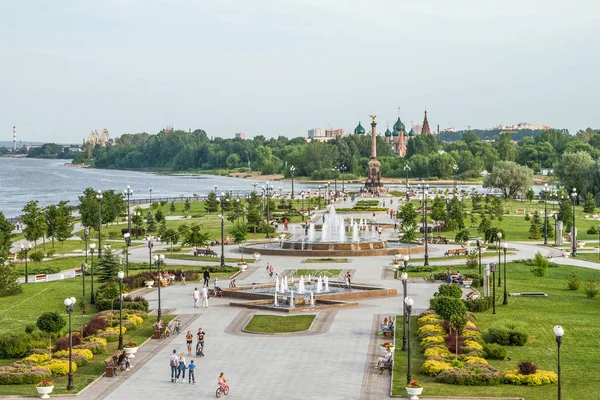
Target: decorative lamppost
pixel 559 332
pixel 404 279
pixel 25 249
pixel 303 195
pixel 150 240
pixel 268 189
pixel 405 258
pixel 127 237
pixel 222 200
pixel 335 172
pixel 545 213
pixel 128 193
pixel 150 189
pixel 86 233
pixel 499 235
pixel 293 172
pixel 504 248
pixel 573 235
pixel 406 169
pixel 92 298
pixel 159 260
pixel 455 169
pixel 120 275
pixel 493 268
pixel 424 225
pixel 479 250
pixel 69 303
pixel 99 198
pixel 409 303
pixel 343 169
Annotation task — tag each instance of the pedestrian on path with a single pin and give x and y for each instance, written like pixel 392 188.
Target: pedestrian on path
pixel 205 297
pixel 201 335
pixel 174 362
pixel 182 277
pixel 191 376
pixel 189 338
pixel 196 298
pixel 181 367
pixel 206 276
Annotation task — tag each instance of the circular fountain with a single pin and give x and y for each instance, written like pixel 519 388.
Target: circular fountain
pixel 338 236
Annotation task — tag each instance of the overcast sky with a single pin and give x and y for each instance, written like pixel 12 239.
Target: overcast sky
pixel 285 66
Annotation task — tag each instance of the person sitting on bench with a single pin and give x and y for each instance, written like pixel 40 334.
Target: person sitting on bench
pixel 458 278
pixel 383 361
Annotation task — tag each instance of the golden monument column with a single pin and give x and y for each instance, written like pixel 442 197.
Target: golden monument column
pixel 374 179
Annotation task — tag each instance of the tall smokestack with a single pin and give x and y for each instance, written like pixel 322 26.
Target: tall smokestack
pixel 14 149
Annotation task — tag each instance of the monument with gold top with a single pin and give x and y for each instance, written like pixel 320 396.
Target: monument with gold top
pixel 374 180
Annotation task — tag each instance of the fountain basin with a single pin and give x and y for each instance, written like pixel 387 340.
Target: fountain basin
pixel 323 249
pixel 300 305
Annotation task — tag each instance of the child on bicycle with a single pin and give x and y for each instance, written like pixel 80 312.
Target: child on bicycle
pixel 222 380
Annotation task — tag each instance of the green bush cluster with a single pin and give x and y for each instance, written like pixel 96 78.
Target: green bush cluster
pixel 23 372
pixel 507 334
pixel 479 305
pixel 419 268
pixel 591 288
pixel 472 374
pixel 495 351
pixel 14 346
pixel 574 282
pixel 450 290
pixel 446 306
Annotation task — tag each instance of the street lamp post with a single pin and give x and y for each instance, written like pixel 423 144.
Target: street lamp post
pixel 343 169
pixel 268 189
pixel 545 213
pixel 479 250
pixel 302 194
pixel 128 193
pixel 573 236
pixel 409 303
pixel 92 298
pixel 405 258
pixel 69 303
pixel 559 332
pixel 424 225
pixel 150 240
pixel 120 275
pixel 86 233
pixel 499 235
pixel 404 278
pixel 493 268
pixel 99 198
pixel 293 172
pixel 25 249
pixel 335 172
pixel 150 189
pixel 222 200
pixel 406 169
pixel 504 248
pixel 127 237
pixel 159 260
pixel 455 170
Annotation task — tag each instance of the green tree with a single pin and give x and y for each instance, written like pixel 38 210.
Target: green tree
pixel 589 203
pixel 565 213
pixel 409 233
pixel 534 227
pixel 113 205
pixel 462 236
pixel 484 225
pixel 108 266
pixel 438 209
pixel 187 206
pixel 408 214
pixel 455 214
pixel 162 229
pixel 6 237
pixel 510 178
pixel 34 220
pixel 529 195
pixel 195 237
pixel 65 224
pixel 253 216
pixel 540 265
pixel 8 278
pixel 573 170
pixel 172 207
pixel 491 235
pixel 137 220
pixel 507 151
pixel 497 208
pixel 150 222
pixel 211 203
pixel 171 236
pixel 159 216
pixel 237 210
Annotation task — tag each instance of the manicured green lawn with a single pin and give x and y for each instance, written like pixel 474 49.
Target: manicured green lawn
pixel 67 246
pixel 51 266
pixel 588 257
pixel 279 324
pixel 325 260
pixel 570 309
pixel 317 272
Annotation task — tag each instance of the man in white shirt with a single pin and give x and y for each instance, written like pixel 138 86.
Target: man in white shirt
pixel 205 297
pixel 174 363
pixel 196 298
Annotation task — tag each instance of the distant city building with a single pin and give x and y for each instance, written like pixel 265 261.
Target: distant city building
pixel 240 135
pixel 521 126
pixel 324 135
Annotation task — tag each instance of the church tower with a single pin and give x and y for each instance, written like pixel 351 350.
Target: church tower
pixel 425 129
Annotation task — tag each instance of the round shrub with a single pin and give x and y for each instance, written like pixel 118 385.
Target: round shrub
pixel 38 358
pixel 527 367
pixel 51 322
pixel 29 328
pixel 574 282
pixel 517 337
pixel 78 359
pixel 59 367
pixel 473 374
pixel 438 351
pixel 63 343
pixel 450 290
pixel 110 336
pixel 471 344
pixel 87 353
pixel 95 324
pixel 430 329
pixel 95 339
pixel 116 329
pixel 22 373
pixel 471 334
pixel 95 347
pixel 495 351
pixel 434 367
pixel 127 326
pixel 477 360
pixel 135 319
pixel 432 339
pixel 446 306
pixel 13 347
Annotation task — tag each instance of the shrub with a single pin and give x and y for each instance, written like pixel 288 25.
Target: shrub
pixel 473 374
pixel 429 319
pixel 473 345
pixel 434 367
pixel 432 339
pixel 527 367
pixel 109 336
pixel 29 328
pixel 94 339
pixel 507 334
pixel 469 334
pixel 420 268
pixel 592 230
pixel 59 367
pixel 591 288
pixel 87 353
pixel 95 347
pixel 574 281
pixel 438 351
pixel 495 351
pixel 455 342
pixel 36 256
pixel 116 329
pixel 537 379
pixel 479 305
pixel 517 337
pixel 77 358
pixel 51 322
pixel 63 343
pixel 449 290
pixel 437 329
pixel 540 265
pixel 22 373
pixel 94 325
pixel 446 306
pixel 135 319
pixel 476 360
pixel 38 358
pixel 498 335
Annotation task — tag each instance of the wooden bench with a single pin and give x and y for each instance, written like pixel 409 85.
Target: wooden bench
pixel 387 365
pixel 456 252
pixel 112 367
pixel 41 278
pixel 205 252
pixel 78 272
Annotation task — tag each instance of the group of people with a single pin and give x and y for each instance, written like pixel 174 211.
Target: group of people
pixel 387 325
pixel 178 363
pixel 453 278
pixel 122 359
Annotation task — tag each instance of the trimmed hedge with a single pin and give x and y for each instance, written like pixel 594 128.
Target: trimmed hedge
pixel 479 305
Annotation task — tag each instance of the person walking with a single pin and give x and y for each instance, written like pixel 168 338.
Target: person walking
pixel 205 297
pixel 191 376
pixel 181 367
pixel 189 337
pixel 182 277
pixel 206 276
pixel 201 335
pixel 174 362
pixel 196 298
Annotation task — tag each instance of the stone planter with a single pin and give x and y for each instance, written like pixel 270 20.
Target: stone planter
pixel 149 284
pixel 45 391
pixel 467 283
pixel 414 393
pixel 242 266
pixel 130 351
pixel 256 256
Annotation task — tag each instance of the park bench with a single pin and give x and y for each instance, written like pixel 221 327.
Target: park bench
pixel 388 365
pixel 112 367
pixel 520 210
pixel 41 278
pixel 456 252
pixel 78 272
pixel 205 252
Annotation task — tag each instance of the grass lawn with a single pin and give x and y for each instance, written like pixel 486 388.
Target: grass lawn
pixel 316 272
pixel 56 264
pixel 570 309
pixel 588 257
pixel 67 246
pixel 279 324
pixel 325 260
pixel 88 373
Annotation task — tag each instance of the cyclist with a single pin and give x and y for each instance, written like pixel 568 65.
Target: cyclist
pixel 222 381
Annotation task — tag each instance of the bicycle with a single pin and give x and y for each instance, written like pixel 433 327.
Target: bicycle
pixel 222 390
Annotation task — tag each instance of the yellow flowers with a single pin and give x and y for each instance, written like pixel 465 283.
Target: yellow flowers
pixel 434 367
pixel 538 379
pixel 84 352
pixel 429 319
pixel 432 339
pixel 116 329
pixel 135 319
pixel 470 344
pixel 95 339
pixel 59 367
pixel 437 351
pixel 430 328
pixel 38 358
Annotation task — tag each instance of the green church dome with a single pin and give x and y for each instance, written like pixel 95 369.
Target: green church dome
pixel 396 133
pixel 411 133
pixel 399 126
pixel 359 130
pixel 388 133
